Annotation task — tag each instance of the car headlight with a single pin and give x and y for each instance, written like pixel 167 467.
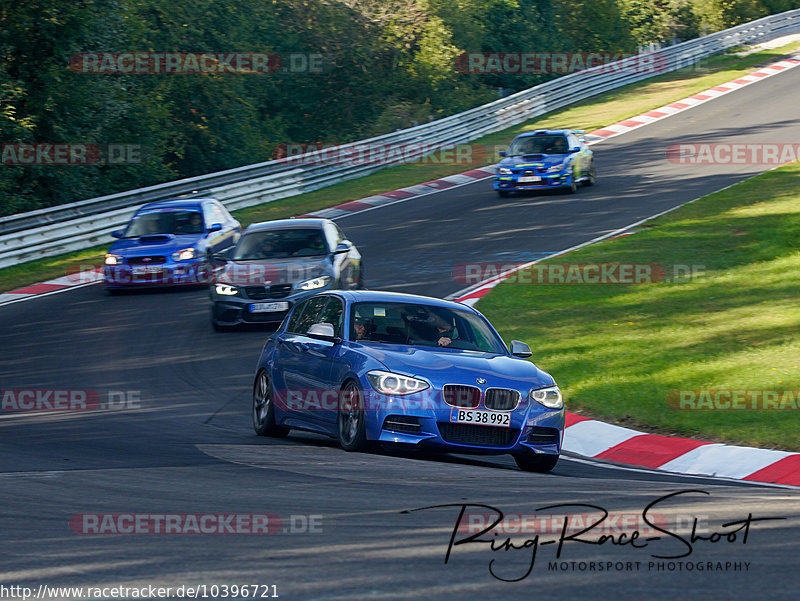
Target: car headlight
pixel 503 171
pixel 319 282
pixel 113 259
pixel 226 290
pixel 184 255
pixel 550 397
pixel 556 168
pixel 386 382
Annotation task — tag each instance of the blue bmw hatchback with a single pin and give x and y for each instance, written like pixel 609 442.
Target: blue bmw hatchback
pixel 378 367
pixel 170 242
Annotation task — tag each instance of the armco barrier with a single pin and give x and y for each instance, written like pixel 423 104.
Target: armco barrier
pixel 78 225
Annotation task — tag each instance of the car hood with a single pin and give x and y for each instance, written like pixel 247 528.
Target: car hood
pixel 162 244
pixel 533 160
pixel 274 271
pixel 457 367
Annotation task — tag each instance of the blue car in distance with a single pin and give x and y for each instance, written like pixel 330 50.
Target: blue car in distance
pixel 169 242
pixel 371 367
pixel 544 160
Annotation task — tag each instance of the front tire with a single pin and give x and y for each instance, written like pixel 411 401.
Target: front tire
pixel 218 327
pixel 572 188
pixel 531 462
pixel 360 285
pixel 351 419
pixel 264 409
pixel 503 193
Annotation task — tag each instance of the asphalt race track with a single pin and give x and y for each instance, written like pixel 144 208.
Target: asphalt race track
pixel 184 443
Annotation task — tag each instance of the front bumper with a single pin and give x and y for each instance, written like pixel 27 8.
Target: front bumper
pixel 532 428
pixel 238 310
pixel 549 181
pixel 194 272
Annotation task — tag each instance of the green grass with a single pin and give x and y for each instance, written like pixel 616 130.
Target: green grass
pixel 589 115
pixel 618 350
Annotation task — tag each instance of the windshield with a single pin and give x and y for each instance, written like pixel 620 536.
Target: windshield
pixel 422 325
pixel 278 244
pixel 555 144
pixel 153 223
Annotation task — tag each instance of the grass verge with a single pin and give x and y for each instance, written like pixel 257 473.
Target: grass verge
pixel 591 114
pixel 619 351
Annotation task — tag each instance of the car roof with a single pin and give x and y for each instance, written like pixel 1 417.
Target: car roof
pixel 377 296
pixel 188 203
pixel 545 132
pixel 282 224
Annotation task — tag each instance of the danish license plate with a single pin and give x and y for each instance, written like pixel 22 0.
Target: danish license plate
pixel 480 417
pixel 269 307
pixel 140 269
pixel 530 179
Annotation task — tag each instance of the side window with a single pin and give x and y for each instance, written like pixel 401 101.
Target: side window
pixel 295 318
pixel 310 315
pixel 333 314
pixel 223 213
pixel 208 214
pixel 332 235
pixel 218 215
pixel 573 142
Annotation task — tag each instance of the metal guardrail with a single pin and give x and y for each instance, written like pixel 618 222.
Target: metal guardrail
pixel 79 225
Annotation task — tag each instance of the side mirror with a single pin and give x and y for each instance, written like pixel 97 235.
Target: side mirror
pixel 216 227
pixel 520 349
pixel 323 331
pixel 574 150
pixel 117 234
pixel 341 248
pixel 221 257
pixel 502 153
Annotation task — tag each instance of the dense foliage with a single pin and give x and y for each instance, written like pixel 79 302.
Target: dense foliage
pixel 386 64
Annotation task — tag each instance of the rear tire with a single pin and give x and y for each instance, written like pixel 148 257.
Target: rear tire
pixel 351 422
pixel 264 409
pixel 592 176
pixel 531 462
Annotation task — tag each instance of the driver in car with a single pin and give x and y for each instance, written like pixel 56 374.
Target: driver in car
pixel 559 146
pixel 429 326
pixel 360 327
pixel 193 225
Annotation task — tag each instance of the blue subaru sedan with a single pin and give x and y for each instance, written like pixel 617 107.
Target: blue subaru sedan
pixel 170 242
pixel 555 159
pixel 371 367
